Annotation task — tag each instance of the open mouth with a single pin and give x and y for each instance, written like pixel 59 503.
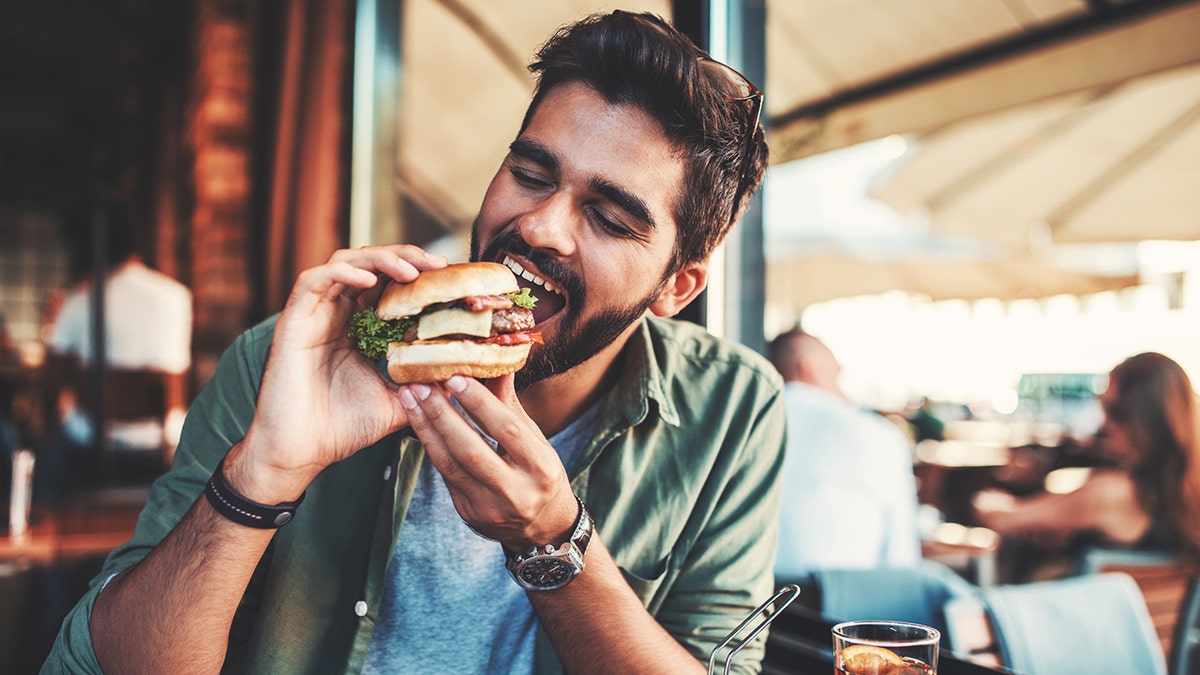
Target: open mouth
pixel 550 300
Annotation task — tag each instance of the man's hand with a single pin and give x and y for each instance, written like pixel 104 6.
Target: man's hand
pixel 320 400
pixel 518 495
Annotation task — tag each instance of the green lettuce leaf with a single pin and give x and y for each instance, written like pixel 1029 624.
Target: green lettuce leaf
pixel 522 298
pixel 372 334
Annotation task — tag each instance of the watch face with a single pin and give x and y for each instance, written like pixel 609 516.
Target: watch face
pixel 546 572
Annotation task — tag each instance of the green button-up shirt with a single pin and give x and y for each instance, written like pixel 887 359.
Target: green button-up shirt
pixel 681 479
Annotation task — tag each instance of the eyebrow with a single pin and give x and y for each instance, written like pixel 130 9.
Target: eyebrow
pixel 534 152
pixel 628 201
pixel 541 155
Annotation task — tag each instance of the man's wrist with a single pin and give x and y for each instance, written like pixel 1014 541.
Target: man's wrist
pixel 555 527
pixel 234 507
pixel 262 484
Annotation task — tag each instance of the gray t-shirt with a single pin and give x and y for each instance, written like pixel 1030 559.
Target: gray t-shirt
pixel 467 617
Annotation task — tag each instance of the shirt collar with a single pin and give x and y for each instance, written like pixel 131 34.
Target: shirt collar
pixel 644 378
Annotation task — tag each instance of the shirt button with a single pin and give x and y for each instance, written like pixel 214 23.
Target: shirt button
pixel 387 472
pixel 360 608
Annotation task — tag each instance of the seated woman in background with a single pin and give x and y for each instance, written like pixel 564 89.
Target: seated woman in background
pixel 1149 497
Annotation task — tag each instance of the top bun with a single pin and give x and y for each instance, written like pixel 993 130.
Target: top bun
pixel 444 285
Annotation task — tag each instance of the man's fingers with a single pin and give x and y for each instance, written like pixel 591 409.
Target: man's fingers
pixel 495 407
pixel 398 261
pixel 360 269
pixel 453 445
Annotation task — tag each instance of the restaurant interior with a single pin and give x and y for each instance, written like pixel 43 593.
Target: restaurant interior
pixel 250 139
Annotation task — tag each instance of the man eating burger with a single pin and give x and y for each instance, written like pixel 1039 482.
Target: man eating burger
pixel 610 507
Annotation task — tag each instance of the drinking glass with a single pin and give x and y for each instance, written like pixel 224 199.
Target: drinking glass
pixel 884 648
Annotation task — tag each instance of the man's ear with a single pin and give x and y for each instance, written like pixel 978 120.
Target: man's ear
pixel 681 288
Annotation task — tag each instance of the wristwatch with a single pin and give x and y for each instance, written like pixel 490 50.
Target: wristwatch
pixel 545 568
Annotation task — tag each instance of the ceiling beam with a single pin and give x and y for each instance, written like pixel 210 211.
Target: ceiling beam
pixel 1107 49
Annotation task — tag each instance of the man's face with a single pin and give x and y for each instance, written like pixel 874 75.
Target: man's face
pixel 584 205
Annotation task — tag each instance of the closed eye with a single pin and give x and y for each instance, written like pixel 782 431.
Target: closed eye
pixel 528 179
pixel 614 226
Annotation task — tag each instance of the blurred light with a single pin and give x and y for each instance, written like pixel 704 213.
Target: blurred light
pixel 981 537
pixel 1070 479
pixel 1006 401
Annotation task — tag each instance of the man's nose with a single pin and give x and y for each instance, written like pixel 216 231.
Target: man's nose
pixel 551 225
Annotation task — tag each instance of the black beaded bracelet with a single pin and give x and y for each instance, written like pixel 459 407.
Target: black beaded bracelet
pixel 243 511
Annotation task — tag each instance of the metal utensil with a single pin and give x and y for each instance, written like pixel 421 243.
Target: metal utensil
pixel 792 591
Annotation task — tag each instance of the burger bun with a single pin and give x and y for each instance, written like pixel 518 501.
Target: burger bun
pixel 445 284
pixel 437 360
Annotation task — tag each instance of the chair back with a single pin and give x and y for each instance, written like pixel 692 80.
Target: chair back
pixel 138 402
pixel 1095 623
pixel 916 594
pixel 129 393
pixel 1184 657
pixel 1161 576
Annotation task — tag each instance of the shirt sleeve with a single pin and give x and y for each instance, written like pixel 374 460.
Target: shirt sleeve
pixel 729 571
pixel 218 418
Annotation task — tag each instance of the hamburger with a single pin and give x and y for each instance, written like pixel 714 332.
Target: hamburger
pixel 467 319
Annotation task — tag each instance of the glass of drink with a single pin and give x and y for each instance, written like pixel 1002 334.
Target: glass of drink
pixel 884 648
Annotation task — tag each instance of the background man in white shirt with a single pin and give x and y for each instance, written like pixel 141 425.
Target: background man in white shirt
pixel 849 495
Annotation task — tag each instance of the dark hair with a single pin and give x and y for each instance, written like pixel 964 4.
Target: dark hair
pixel 639 59
pixel 782 349
pixel 77 227
pixel 1156 406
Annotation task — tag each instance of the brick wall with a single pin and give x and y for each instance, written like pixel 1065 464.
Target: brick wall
pixel 218 132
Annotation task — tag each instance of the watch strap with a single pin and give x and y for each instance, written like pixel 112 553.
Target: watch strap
pixel 583 528
pixel 227 502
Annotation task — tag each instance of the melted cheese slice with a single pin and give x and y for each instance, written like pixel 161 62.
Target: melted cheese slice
pixel 454 321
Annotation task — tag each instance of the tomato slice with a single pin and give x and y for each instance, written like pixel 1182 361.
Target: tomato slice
pixel 508 339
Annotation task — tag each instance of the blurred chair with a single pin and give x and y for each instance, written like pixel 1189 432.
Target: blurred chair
pixel 138 405
pixel 16 610
pixel 1096 623
pixel 1161 576
pixel 917 594
pixel 1184 657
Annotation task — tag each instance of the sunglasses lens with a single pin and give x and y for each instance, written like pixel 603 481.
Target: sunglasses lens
pixel 733 84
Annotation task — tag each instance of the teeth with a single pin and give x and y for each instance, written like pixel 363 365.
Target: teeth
pixel 529 276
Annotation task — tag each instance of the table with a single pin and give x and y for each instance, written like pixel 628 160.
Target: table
pixel 90 525
pixel 43 574
pixel 800 643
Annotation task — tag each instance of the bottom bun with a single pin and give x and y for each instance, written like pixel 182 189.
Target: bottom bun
pixel 437 360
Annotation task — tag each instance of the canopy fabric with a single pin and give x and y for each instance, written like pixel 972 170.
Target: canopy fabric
pixel 806 279
pixel 1113 164
pixel 841 72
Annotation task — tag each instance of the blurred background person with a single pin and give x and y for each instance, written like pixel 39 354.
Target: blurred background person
pixel 849 495
pixel 1145 494
pixel 925 423
pixel 147 355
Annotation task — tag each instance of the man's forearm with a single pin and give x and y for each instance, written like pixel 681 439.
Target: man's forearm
pixel 172 611
pixel 598 625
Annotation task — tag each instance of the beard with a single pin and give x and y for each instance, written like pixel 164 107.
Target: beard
pixel 579 337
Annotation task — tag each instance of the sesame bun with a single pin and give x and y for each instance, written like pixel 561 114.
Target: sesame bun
pixel 444 285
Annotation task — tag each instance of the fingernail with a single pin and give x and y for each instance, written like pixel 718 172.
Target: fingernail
pixel 434 257
pixel 456 383
pixel 421 391
pixel 407 400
